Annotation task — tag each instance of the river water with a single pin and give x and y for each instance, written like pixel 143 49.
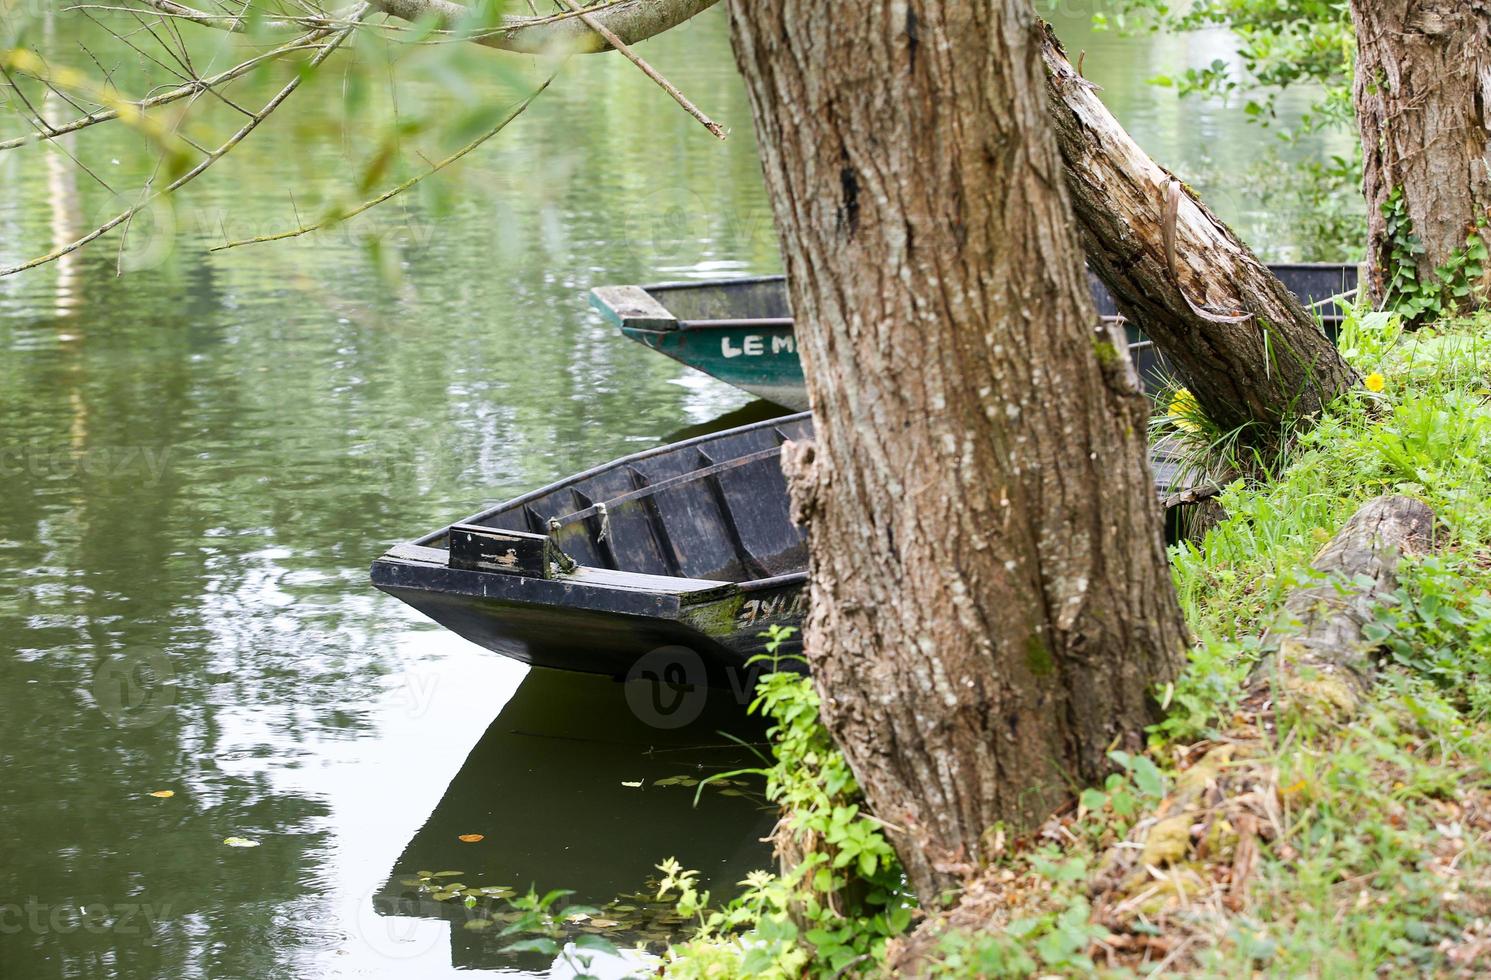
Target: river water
pixel 200 458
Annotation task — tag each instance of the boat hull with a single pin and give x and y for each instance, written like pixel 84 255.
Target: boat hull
pixel 597 629
pixel 684 557
pixel 761 360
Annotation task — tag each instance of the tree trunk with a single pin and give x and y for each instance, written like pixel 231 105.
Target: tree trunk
pixel 1274 366
pixel 1423 100
pixel 990 598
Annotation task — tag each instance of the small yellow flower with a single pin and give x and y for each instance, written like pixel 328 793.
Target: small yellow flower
pixel 1184 410
pixel 1374 382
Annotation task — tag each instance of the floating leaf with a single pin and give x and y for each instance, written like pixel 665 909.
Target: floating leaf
pixel 163 794
pixel 240 842
pixel 494 891
pixel 478 924
pixel 411 881
pixel 444 874
pixel 425 874
pixel 443 896
pixel 471 838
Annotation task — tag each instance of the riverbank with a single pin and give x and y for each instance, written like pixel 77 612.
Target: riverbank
pixel 1350 843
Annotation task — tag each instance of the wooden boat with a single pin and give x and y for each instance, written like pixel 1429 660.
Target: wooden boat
pixel 687 547
pixel 740 330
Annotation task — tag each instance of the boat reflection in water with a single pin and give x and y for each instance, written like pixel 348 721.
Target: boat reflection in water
pixel 564 789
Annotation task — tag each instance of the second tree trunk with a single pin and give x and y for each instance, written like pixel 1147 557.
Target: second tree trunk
pixel 1423 100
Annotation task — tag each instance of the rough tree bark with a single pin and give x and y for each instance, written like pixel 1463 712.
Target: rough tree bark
pixel 990 599
pixel 1272 366
pixel 1423 100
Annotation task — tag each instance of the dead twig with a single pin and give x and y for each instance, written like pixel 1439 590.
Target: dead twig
pixel 651 72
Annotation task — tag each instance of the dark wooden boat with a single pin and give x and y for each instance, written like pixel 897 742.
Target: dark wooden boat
pixel 740 330
pixel 687 546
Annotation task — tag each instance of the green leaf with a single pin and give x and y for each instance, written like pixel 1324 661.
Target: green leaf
pixel 1148 778
pixel 538 944
pixel 598 944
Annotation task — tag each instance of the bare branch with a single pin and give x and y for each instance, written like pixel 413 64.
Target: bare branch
pixel 594 24
pixel 435 168
pixel 232 23
pixel 180 92
pixel 326 49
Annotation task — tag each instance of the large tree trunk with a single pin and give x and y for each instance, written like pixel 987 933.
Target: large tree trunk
pixel 990 598
pixel 1272 366
pixel 1423 99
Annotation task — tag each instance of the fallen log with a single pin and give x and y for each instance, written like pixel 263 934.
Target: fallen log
pixel 1238 339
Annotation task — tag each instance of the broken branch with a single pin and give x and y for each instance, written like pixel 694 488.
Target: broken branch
pixel 652 73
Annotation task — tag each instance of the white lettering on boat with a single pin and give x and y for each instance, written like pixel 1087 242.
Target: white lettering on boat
pixel 754 345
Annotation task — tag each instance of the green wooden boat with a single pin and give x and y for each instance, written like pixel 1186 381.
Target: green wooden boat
pixel 740 330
